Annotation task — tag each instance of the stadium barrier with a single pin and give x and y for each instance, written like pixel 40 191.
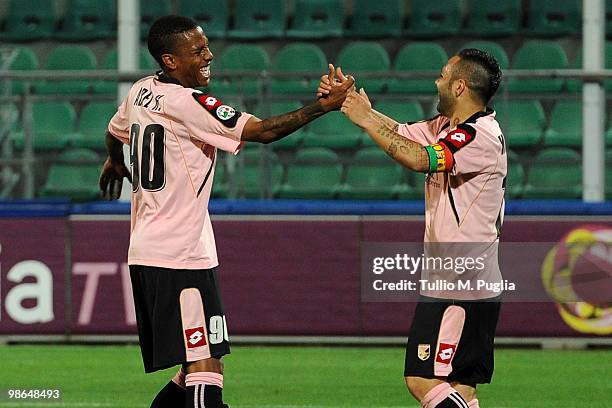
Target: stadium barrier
pixel 64 272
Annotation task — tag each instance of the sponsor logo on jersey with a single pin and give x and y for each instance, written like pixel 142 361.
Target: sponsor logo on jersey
pixel 459 137
pixel 423 351
pixel 195 337
pixel 225 114
pixel 445 353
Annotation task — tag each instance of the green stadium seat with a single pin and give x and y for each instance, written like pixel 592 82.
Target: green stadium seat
pixel 334 131
pixel 52 125
pixel 92 125
pixel 430 19
pixel 68 57
pixel 522 122
pixel 496 50
pixel 259 19
pixel 74 176
pixel 295 139
pixel 416 186
pixel 212 15
pixel 575 85
pixel 538 55
pixel 418 56
pixel 20 59
pixel 553 18
pixel 555 173
pixel 88 20
pixel 111 61
pixel 298 57
pixel 401 111
pixel 608 135
pixel 565 125
pixel 608 7
pixel 363 56
pixel 317 19
pixel 376 19
pixel 239 57
pixel 608 174
pixel 491 18
pixel 252 174
pixel 515 179
pixel 29 20
pixel 314 173
pixel 220 188
pixel 372 175
pixel 151 10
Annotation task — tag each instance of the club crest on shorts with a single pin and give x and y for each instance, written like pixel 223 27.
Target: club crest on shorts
pixel 423 351
pixel 445 353
pixel 195 337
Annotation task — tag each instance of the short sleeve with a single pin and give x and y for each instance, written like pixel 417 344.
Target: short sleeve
pixel 473 152
pixel 119 125
pixel 209 120
pixel 424 132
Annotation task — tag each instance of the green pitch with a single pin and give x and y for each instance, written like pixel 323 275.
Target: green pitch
pixel 294 377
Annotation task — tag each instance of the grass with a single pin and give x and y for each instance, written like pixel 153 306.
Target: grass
pixel 112 376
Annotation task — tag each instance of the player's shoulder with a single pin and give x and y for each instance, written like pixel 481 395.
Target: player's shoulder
pixel 226 113
pixel 481 127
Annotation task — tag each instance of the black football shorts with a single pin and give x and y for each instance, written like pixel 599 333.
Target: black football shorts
pixel 179 314
pixel 452 340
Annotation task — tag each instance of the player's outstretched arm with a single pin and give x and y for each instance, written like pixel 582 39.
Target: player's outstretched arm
pixel 383 131
pixel 276 127
pixel 114 170
pixel 335 76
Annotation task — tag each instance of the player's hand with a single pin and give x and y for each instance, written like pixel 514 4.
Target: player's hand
pixel 337 94
pixel 111 179
pixel 357 107
pixel 327 81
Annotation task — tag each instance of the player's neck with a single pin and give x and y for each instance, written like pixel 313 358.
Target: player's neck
pixel 464 112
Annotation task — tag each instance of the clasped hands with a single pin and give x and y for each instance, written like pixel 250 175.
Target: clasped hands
pixel 356 106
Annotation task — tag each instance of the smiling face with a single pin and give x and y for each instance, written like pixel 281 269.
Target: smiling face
pixel 190 62
pixel 446 98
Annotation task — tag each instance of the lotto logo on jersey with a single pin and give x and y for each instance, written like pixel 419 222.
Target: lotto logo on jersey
pixel 195 337
pixel 210 101
pixel 460 137
pixel 445 353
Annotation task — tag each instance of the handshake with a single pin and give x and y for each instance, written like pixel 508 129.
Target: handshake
pixel 341 89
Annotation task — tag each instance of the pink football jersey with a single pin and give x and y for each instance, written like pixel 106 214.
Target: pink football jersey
pixel 466 204
pixel 174 133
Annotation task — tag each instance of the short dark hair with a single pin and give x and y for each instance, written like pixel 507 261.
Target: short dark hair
pixel 481 71
pixel 163 35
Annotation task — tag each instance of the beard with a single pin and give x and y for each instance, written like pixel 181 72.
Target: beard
pixel 445 105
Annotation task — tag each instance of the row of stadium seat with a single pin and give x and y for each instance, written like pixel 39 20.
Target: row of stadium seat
pixel 248 19
pixel 56 126
pixel 308 58
pixel 318 173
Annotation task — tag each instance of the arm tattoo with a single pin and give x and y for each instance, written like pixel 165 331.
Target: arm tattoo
pixel 280 126
pixel 409 153
pixel 384 120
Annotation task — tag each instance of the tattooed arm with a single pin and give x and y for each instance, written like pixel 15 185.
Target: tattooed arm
pixel 384 119
pixel 277 127
pixel 383 131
